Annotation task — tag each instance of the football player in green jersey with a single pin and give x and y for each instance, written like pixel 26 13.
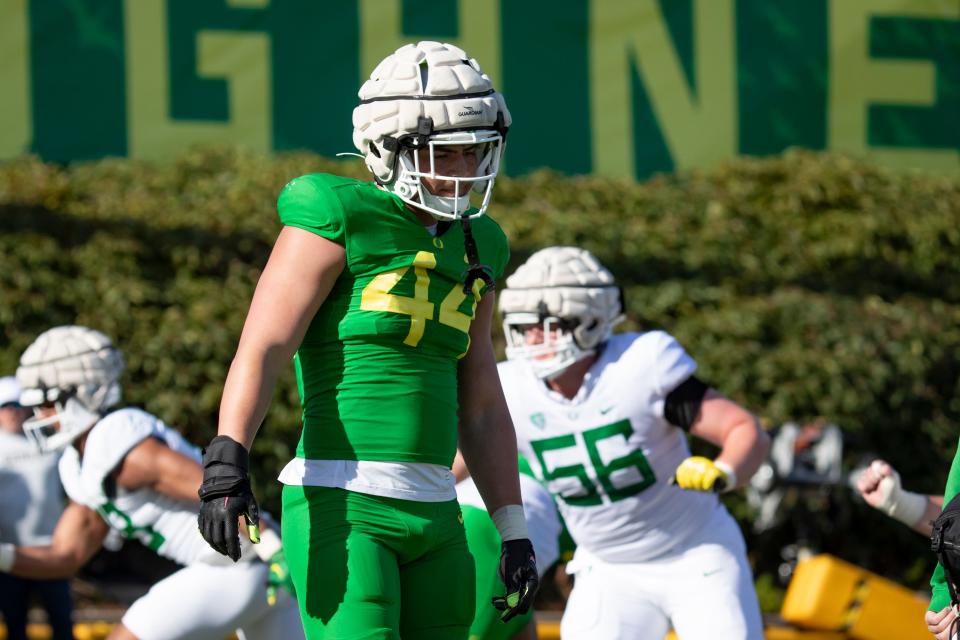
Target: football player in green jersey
pixel 382 293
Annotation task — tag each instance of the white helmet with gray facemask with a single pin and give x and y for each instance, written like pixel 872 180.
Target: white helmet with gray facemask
pixel 75 370
pixel 570 297
pixel 425 96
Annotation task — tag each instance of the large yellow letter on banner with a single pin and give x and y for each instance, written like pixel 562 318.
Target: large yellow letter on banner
pixel 243 59
pixel 699 127
pixel 857 80
pixel 17 129
pixel 478 26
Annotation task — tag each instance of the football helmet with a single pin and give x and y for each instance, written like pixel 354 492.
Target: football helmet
pixel 74 369
pixel 426 96
pixel 558 308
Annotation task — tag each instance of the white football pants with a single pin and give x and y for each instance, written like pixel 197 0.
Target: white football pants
pixel 204 602
pixel 704 590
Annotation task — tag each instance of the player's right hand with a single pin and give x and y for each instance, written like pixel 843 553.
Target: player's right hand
pixel 225 495
pixel 697 473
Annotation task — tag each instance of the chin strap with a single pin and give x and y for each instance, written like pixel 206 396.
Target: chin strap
pixel 475 270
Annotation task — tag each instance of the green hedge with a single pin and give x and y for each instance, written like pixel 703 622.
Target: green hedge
pixel 806 285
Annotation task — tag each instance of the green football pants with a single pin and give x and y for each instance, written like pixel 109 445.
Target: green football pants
pixel 372 567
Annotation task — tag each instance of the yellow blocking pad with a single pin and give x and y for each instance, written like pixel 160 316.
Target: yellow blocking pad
pixel 550 630
pixel 830 594
pixel 782 633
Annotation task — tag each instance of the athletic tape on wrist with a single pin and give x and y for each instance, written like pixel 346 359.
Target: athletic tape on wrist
pixel 906 506
pixel 731 478
pixel 510 522
pixel 8 554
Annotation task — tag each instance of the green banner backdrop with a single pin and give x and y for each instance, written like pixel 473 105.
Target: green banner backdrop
pixel 617 87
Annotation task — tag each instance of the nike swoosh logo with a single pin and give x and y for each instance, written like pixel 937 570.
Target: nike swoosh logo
pixel 707 574
pixel 606 411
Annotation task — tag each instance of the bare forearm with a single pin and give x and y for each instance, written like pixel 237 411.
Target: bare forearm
pixel 487 439
pixel 246 394
pixel 745 449
pixel 48 562
pixel 77 536
pixel 153 465
pixel 489 448
pixel 933 508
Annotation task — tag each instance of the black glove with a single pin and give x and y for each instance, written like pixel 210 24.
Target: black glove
pixel 518 570
pixel 225 496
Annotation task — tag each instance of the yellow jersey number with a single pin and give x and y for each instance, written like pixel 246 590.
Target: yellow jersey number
pixel 376 296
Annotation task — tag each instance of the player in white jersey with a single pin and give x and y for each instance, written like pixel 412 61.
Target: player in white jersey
pixel 602 419
pixel 125 470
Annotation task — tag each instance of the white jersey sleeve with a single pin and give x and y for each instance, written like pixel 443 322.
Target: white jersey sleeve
pixel 69 468
pixel 668 365
pixel 109 441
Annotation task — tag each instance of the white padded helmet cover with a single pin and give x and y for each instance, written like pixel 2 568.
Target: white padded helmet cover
pixel 567 283
pixel 72 358
pixel 448 71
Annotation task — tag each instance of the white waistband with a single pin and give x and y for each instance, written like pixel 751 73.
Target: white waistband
pixel 416 481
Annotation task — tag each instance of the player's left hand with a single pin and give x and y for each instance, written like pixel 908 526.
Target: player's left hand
pixel 702 474
pixel 939 622
pixel 518 570
pixel 279 577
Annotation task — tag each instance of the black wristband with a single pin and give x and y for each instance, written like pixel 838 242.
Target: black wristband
pixel 226 450
pixel 225 469
pixel 219 487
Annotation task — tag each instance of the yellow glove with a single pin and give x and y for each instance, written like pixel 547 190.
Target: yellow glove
pixel 279 578
pixel 703 474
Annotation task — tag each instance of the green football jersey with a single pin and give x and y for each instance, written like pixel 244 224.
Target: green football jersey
pixel 377 368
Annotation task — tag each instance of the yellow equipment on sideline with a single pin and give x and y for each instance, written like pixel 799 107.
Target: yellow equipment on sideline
pixel 830 594
pixel 81 631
